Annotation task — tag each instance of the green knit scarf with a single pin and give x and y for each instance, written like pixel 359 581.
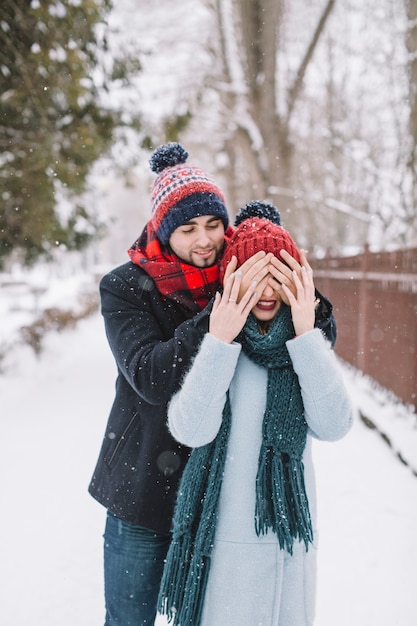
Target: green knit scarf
pixel 281 499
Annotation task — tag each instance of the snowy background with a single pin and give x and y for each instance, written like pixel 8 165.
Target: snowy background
pixel 53 415
pixel 54 407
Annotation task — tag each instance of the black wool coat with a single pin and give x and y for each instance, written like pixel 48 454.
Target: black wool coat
pixel 153 341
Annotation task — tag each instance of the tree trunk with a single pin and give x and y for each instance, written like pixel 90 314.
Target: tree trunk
pixel 260 137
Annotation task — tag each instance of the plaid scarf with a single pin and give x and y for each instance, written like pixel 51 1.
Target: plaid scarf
pixel 190 286
pixel 281 499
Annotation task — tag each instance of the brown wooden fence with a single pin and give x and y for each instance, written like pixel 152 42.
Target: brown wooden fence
pixel 375 303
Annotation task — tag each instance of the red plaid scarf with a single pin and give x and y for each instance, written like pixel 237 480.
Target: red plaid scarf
pixel 192 287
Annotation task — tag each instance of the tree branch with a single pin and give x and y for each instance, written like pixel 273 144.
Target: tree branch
pixel 295 90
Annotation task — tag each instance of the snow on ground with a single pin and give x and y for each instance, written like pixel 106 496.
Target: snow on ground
pixel 53 413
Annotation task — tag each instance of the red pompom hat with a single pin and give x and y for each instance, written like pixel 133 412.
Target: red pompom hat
pixel 258 227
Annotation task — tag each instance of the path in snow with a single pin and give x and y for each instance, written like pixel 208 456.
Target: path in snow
pixel 52 419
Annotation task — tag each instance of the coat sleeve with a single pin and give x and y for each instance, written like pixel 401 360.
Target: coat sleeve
pixel 195 412
pixel 328 410
pixel 151 349
pixel 325 319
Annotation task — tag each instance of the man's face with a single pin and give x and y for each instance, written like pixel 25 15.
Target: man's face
pixel 199 241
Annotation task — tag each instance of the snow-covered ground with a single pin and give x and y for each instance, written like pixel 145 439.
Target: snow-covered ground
pixel 53 412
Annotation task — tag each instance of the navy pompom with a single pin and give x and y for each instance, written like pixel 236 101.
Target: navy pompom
pixel 258 208
pixel 167 155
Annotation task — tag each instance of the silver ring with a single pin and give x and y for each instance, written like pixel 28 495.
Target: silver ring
pixel 230 300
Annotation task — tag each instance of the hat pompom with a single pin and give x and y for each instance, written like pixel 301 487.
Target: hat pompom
pixel 258 208
pixel 167 155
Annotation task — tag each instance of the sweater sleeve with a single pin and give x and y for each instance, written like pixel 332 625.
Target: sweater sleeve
pixel 328 410
pixel 195 412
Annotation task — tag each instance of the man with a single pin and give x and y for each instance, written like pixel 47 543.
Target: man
pixel 156 310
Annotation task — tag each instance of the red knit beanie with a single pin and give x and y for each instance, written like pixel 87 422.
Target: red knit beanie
pixel 258 227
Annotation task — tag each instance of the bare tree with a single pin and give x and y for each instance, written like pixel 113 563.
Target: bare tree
pixel 314 107
pixel 259 142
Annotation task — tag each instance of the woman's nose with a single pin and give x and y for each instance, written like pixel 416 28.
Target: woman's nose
pixel 268 291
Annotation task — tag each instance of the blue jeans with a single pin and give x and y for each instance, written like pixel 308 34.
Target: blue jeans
pixel 133 565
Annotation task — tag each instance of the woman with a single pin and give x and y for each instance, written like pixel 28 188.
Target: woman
pixel 263 384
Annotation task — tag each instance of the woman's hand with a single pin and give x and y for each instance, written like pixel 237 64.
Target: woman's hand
pixel 254 269
pixel 231 309
pixel 282 273
pixel 303 302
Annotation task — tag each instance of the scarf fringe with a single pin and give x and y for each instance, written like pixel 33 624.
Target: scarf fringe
pixel 174 578
pixel 185 576
pixel 184 582
pixel 286 512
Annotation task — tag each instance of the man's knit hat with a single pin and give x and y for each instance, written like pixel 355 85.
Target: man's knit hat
pixel 181 192
pixel 258 227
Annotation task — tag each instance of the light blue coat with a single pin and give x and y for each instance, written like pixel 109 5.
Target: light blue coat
pixel 252 582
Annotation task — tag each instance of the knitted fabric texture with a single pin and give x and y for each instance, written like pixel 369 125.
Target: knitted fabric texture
pixel 258 227
pixel 181 192
pixel 190 286
pixel 281 500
